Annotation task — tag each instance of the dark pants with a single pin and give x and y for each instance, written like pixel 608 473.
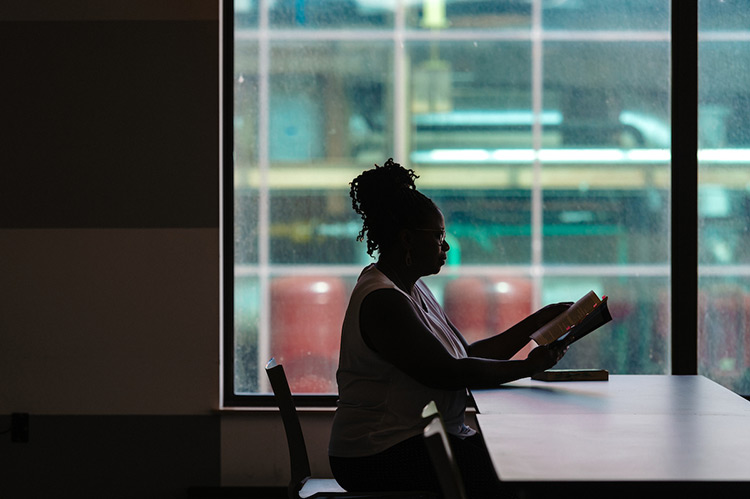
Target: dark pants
pixel 407 466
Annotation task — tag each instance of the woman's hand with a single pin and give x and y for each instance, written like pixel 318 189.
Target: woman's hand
pixel 544 357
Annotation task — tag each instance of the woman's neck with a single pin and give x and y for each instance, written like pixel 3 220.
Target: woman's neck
pixel 397 272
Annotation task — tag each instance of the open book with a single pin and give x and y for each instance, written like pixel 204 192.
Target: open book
pixel 584 316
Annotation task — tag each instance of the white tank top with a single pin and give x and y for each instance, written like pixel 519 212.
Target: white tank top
pixel 380 405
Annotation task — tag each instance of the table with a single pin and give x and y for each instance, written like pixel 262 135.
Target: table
pixel 630 434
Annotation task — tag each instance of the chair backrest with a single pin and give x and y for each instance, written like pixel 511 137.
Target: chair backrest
pixel 295 439
pixel 442 459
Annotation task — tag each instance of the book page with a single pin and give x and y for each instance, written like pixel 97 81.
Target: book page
pixel 560 324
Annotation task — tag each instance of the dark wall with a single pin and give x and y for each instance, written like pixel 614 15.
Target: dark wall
pixel 112 457
pixel 109 124
pixel 109 214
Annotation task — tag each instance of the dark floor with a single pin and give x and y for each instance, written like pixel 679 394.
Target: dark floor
pixel 237 492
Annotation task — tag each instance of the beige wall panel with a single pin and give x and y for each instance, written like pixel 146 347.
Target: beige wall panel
pixel 116 321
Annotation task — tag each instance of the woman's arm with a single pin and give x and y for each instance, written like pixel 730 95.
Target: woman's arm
pixel 504 345
pixel 391 327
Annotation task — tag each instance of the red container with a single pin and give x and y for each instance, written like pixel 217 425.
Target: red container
pixel 465 303
pixel 511 300
pixel 306 317
pixel 481 307
pixel 721 317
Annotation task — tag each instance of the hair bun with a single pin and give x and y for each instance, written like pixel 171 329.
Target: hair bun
pixel 386 198
pixel 397 175
pixel 383 180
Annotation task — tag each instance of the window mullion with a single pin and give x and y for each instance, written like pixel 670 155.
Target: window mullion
pixel 264 195
pixel 537 201
pixel 684 176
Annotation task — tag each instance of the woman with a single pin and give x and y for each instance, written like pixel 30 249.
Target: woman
pixel 399 350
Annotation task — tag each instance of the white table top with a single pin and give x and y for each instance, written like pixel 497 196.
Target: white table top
pixel 630 428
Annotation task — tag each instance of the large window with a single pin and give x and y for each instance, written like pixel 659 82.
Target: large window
pixel 541 129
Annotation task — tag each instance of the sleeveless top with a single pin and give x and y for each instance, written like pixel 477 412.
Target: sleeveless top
pixel 379 405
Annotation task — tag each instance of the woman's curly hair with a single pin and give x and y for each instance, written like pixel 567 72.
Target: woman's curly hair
pixel 387 200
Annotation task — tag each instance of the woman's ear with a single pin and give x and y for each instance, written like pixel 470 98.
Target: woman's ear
pixel 405 238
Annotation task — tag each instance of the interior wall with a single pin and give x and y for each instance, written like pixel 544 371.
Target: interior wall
pixel 109 247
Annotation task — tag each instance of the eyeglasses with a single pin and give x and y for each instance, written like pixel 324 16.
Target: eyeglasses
pixel 440 232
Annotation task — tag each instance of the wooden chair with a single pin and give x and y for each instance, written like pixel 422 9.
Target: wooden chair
pixel 302 485
pixel 441 454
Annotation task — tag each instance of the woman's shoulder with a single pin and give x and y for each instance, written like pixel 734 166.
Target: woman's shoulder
pixel 371 280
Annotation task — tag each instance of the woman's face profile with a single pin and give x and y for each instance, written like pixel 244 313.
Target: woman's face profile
pixel 428 246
